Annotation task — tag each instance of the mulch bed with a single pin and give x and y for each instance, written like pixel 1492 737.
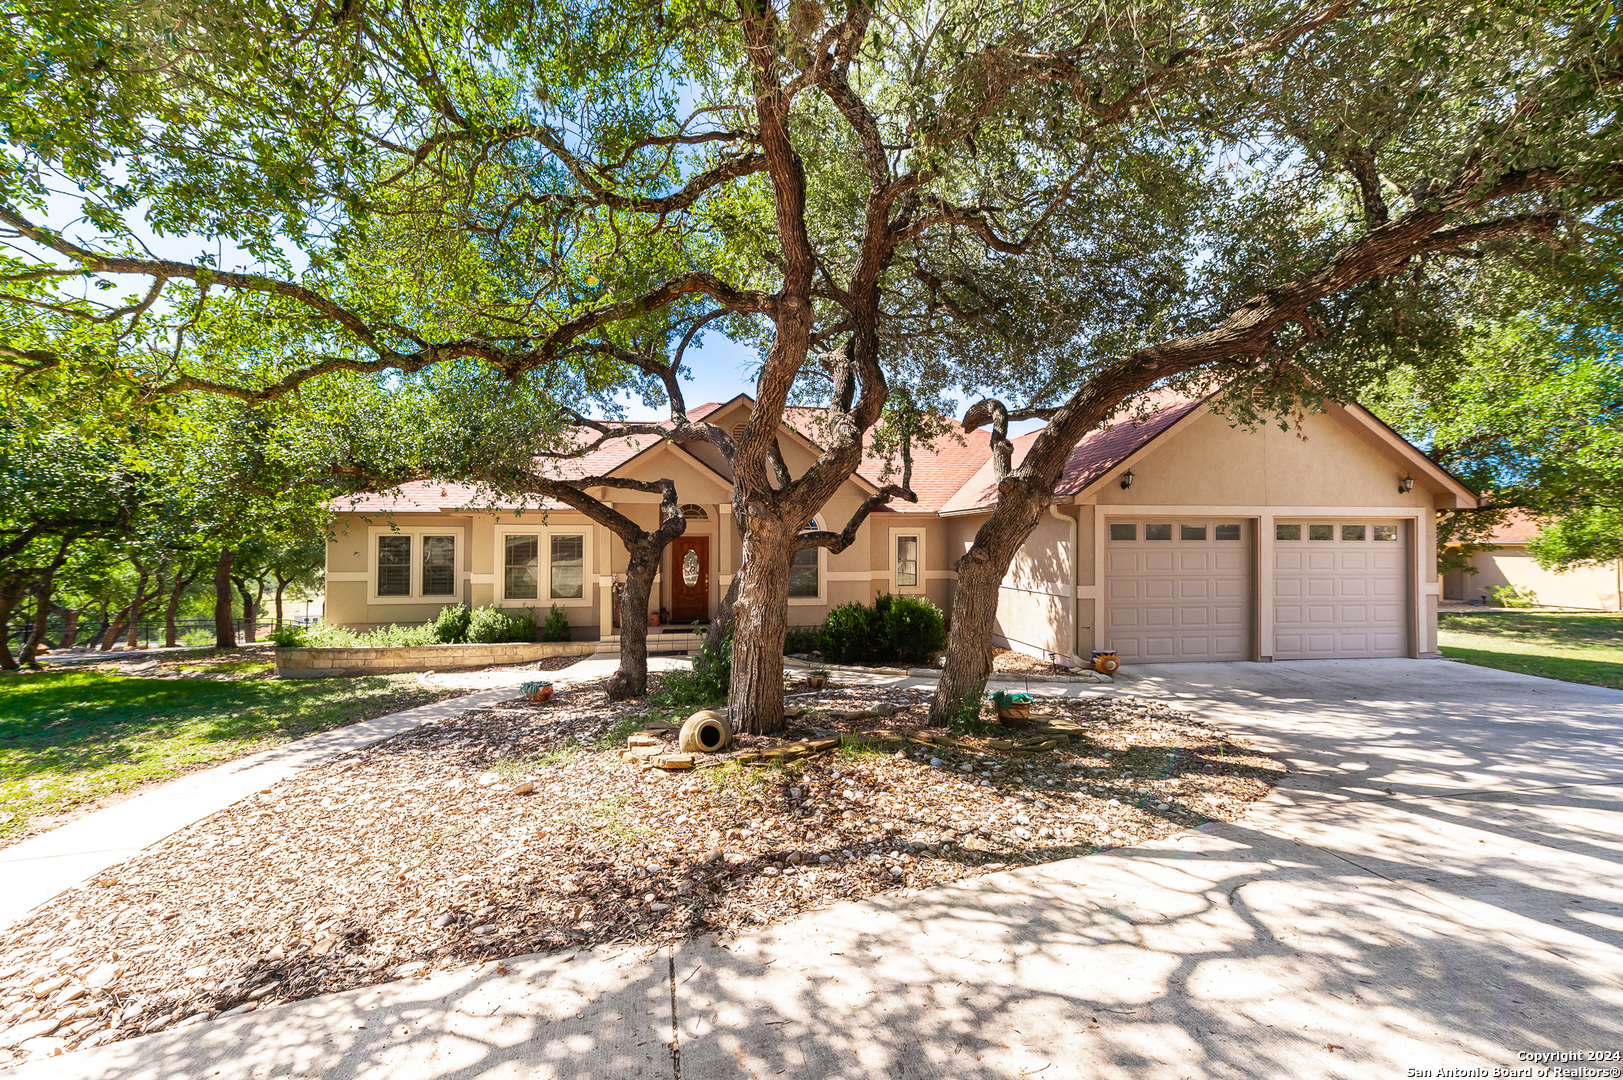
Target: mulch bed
pixel 418 854
pixel 1018 663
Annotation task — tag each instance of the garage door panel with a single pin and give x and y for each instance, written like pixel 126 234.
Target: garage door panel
pixel 1355 589
pixel 1191 599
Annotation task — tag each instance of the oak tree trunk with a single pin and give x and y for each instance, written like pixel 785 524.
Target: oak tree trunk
pixel 42 616
pixel 225 634
pixel 974 604
pixel 114 629
pixel 139 610
pixel 11 594
pixel 631 678
pixel 760 621
pixel 70 627
pixel 281 586
pixel 171 633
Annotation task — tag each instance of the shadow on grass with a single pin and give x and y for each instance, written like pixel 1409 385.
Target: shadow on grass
pixel 1566 668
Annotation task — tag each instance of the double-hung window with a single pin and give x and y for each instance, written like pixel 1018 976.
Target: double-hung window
pixel 907 561
pixel 803 571
pixel 416 563
pixel 568 566
pixel 548 564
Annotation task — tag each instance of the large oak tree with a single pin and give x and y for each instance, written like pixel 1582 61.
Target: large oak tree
pixel 1072 203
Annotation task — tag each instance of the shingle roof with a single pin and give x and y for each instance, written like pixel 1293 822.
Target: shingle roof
pixel 1097 454
pixel 954 475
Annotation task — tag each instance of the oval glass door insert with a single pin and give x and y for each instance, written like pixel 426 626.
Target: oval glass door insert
pixel 690 568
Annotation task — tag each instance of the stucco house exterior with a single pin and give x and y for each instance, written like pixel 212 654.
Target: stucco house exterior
pixel 1173 537
pixel 1509 562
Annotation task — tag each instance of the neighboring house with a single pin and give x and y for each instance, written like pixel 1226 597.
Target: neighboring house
pixel 1175 537
pixel 1596 588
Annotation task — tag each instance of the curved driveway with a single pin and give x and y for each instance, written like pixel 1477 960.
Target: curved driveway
pixel 1436 885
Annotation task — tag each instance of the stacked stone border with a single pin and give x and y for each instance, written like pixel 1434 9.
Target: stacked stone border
pixel 304 663
pixel 1082 676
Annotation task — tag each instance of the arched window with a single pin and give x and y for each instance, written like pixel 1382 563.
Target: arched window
pixel 694 512
pixel 803 581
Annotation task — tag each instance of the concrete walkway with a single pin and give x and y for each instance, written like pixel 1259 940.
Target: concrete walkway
pixel 37 869
pixel 1437 884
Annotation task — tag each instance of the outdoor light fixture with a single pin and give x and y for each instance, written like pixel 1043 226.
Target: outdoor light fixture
pixel 1406 485
pixel 1127 479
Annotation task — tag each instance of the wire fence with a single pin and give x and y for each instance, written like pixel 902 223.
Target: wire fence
pixel 149 633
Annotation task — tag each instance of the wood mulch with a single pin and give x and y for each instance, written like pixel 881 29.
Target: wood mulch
pixel 1019 663
pixel 421 852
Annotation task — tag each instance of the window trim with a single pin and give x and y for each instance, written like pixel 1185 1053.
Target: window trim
pixel 543 535
pixel 459 535
pixel 896 533
pixel 822 574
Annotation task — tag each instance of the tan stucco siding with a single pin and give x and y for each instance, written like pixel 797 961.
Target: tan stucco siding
pixel 1210 463
pixel 1036 608
pixel 1591 587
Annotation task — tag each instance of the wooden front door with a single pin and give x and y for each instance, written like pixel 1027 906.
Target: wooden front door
pixel 690 578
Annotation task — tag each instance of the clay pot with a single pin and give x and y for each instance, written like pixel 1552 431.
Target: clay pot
pixel 705 733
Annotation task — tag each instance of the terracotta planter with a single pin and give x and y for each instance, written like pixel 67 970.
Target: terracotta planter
pixel 817 681
pixel 1013 715
pixel 1106 662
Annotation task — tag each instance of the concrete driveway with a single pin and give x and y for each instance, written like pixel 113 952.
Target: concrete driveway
pixel 1438 884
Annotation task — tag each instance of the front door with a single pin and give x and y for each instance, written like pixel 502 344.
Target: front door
pixel 690 580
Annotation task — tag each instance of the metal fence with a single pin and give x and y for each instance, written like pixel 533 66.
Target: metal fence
pixel 149 633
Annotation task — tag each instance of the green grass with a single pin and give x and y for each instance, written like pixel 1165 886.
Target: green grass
pixel 1586 648
pixel 67 738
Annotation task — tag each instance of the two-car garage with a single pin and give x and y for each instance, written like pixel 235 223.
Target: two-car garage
pixel 1185 589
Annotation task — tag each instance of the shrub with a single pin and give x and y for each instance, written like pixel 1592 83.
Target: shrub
pixel 451 624
pixel 852 632
pixel 802 639
pixel 322 636
pixel 915 629
pixel 288 636
pixel 703 686
pixel 492 624
pixel 1512 596
pixel 557 625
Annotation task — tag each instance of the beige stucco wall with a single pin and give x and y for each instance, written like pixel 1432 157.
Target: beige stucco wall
pixel 1036 610
pixel 1210 463
pixel 1591 587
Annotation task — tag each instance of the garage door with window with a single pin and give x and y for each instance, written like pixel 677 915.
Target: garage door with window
pixel 1339 590
pixel 1178 590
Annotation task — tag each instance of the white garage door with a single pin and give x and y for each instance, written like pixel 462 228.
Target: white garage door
pixel 1340 590
pixel 1178 590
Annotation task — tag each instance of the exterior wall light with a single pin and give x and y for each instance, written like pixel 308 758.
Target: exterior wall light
pixel 1127 479
pixel 1406 485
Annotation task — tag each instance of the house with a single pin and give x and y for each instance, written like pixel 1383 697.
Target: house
pixel 1173 537
pixel 1595 588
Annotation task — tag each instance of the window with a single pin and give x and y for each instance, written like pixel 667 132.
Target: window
pixel 394 566
pixel 1352 532
pixel 1227 532
pixel 1321 532
pixel 1158 532
pixel 568 566
pixel 694 512
pixel 1123 530
pixel 1385 533
pixel 439 566
pixel 1287 532
pixel 803 581
pixel 907 560
pixel 521 568
pixel 1192 532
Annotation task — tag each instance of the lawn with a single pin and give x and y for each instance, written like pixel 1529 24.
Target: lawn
pixel 70 738
pixel 1585 648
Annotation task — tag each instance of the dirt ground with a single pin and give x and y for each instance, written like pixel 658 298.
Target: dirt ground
pixel 523 828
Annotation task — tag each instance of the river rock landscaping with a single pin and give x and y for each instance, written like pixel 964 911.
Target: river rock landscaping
pixel 531 827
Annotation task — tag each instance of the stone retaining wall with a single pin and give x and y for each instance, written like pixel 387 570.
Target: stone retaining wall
pixel 302 663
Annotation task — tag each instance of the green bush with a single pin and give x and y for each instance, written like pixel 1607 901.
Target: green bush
pixel 492 624
pixel 1512 596
pixel 705 685
pixel 288 636
pixel 852 632
pixel 322 636
pixel 451 624
pixel 802 639
pixel 915 629
pixel 557 625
